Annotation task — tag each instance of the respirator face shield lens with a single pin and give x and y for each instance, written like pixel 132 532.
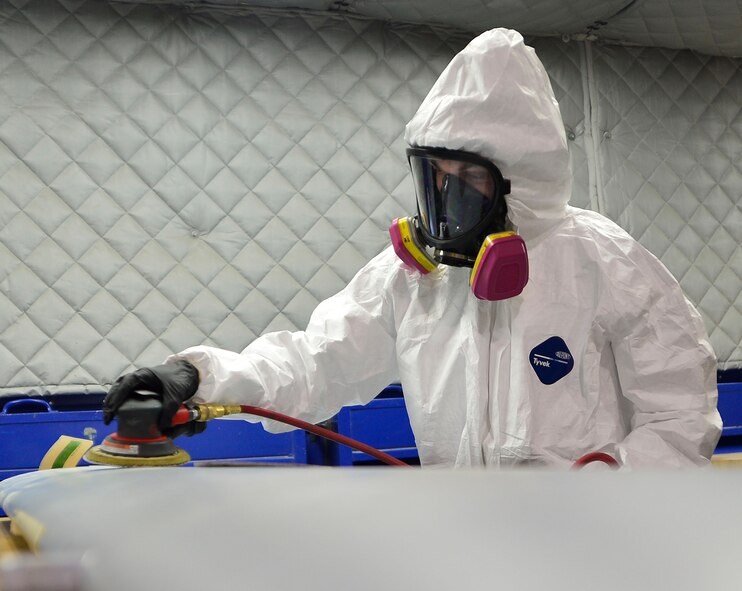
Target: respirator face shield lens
pixel 456 191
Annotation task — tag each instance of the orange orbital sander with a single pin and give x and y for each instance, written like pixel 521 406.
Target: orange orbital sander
pixel 138 440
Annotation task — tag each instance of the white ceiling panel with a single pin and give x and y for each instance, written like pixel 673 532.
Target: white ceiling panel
pixel 708 26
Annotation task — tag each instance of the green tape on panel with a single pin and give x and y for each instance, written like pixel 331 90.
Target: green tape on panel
pixel 65 454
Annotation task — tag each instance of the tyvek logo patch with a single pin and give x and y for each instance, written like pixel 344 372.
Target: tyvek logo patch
pixel 551 360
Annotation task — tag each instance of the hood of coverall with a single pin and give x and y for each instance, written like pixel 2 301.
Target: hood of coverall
pixel 495 99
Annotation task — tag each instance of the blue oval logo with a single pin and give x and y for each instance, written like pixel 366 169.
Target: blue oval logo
pixel 551 360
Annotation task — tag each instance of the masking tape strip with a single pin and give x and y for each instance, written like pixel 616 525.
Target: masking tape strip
pixel 11 542
pixel 65 453
pixel 728 460
pixel 28 527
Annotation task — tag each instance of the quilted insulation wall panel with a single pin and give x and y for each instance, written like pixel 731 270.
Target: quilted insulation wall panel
pixel 668 138
pixel 170 177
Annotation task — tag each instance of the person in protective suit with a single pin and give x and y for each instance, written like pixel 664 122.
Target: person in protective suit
pixel 523 330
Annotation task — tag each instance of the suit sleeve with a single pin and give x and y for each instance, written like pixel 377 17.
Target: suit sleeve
pixel 666 368
pixel 345 356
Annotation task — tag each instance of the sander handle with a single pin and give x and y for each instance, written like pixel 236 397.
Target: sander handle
pixel 184 415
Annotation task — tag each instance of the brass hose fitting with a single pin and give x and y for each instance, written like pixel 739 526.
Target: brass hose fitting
pixel 206 412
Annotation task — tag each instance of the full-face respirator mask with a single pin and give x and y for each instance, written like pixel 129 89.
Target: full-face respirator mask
pixel 462 217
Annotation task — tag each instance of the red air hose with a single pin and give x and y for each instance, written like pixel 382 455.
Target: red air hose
pixel 362 447
pixel 322 432
pixel 597 456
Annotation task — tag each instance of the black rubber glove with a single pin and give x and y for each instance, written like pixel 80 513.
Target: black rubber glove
pixel 174 382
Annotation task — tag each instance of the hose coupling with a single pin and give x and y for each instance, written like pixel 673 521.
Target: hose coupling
pixel 206 412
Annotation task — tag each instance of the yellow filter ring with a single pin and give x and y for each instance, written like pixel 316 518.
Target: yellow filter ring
pixel 487 241
pixel 412 247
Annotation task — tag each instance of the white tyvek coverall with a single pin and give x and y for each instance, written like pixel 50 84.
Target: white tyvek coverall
pixel 643 383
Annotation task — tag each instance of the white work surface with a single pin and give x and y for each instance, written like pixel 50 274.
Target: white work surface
pixel 376 528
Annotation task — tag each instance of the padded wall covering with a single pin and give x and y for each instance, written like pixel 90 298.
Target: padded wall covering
pixel 171 177
pixel 668 127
